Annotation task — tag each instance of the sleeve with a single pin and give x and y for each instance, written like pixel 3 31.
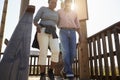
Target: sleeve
pixel 77 21
pixel 38 14
pixel 58 17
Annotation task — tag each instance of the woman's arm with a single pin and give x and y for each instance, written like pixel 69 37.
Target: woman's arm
pixel 37 19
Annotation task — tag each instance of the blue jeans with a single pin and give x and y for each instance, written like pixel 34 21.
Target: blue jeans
pixel 68 47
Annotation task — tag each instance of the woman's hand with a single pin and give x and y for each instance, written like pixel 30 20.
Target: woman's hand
pixel 38 29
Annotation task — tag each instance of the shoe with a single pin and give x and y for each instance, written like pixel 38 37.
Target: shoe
pixel 63 74
pixel 42 76
pixel 51 74
pixel 70 76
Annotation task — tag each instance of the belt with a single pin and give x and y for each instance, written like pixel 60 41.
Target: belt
pixel 67 28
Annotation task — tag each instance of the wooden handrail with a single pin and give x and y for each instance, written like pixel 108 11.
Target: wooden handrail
pixel 15 62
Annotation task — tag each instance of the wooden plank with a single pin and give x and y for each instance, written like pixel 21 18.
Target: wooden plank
pixel 38 70
pixel 105 56
pixel 100 57
pixel 81 9
pixel 30 68
pixel 90 56
pixel 78 57
pixel 111 54
pixel 2 26
pixel 15 62
pixel 83 57
pixel 23 6
pixel 77 61
pixel 95 57
pixel 117 46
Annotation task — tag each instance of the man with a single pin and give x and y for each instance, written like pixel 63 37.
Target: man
pixel 68 24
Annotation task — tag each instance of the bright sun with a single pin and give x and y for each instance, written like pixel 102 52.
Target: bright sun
pixel 73 6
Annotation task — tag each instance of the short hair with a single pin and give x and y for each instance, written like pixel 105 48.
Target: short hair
pixel 48 1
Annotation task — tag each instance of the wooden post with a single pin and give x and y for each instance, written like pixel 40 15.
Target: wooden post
pixel 3 22
pixel 81 9
pixel 15 62
pixel 83 55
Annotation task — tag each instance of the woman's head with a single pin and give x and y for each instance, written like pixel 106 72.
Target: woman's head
pixel 52 4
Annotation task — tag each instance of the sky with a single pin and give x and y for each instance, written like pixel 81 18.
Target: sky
pixel 101 14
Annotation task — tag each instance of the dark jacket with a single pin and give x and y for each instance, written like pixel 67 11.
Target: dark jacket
pixel 35 42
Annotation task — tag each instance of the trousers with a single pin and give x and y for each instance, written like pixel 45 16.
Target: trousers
pixel 68 48
pixel 44 41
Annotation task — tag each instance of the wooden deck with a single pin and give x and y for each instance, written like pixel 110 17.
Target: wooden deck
pixel 34 78
pixel 38 78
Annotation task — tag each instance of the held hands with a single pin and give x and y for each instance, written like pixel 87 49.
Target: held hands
pixel 79 40
pixel 80 43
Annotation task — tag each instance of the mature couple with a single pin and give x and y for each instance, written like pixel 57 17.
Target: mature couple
pixel 46 21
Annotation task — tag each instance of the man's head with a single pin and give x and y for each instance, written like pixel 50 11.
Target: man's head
pixel 68 1
pixel 67 4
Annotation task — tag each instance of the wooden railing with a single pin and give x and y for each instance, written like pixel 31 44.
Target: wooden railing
pixel 15 62
pixel 34 69
pixel 104 54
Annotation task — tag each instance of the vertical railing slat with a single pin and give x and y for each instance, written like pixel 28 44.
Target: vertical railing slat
pixel 90 55
pixel 100 57
pixel 117 46
pixel 95 57
pixel 30 68
pixel 105 56
pixel 111 54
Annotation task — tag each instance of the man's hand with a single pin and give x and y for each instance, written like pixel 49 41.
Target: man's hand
pixel 79 40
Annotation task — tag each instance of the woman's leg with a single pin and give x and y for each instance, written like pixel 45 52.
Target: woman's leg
pixel 43 44
pixel 54 46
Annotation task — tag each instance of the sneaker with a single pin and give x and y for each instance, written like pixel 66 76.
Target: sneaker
pixel 70 76
pixel 42 76
pixel 50 74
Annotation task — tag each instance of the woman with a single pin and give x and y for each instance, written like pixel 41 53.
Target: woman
pixel 46 21
pixel 68 24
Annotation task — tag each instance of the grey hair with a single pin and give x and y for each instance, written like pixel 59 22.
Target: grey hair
pixel 68 1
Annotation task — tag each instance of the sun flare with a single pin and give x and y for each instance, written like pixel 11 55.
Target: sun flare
pixel 73 6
